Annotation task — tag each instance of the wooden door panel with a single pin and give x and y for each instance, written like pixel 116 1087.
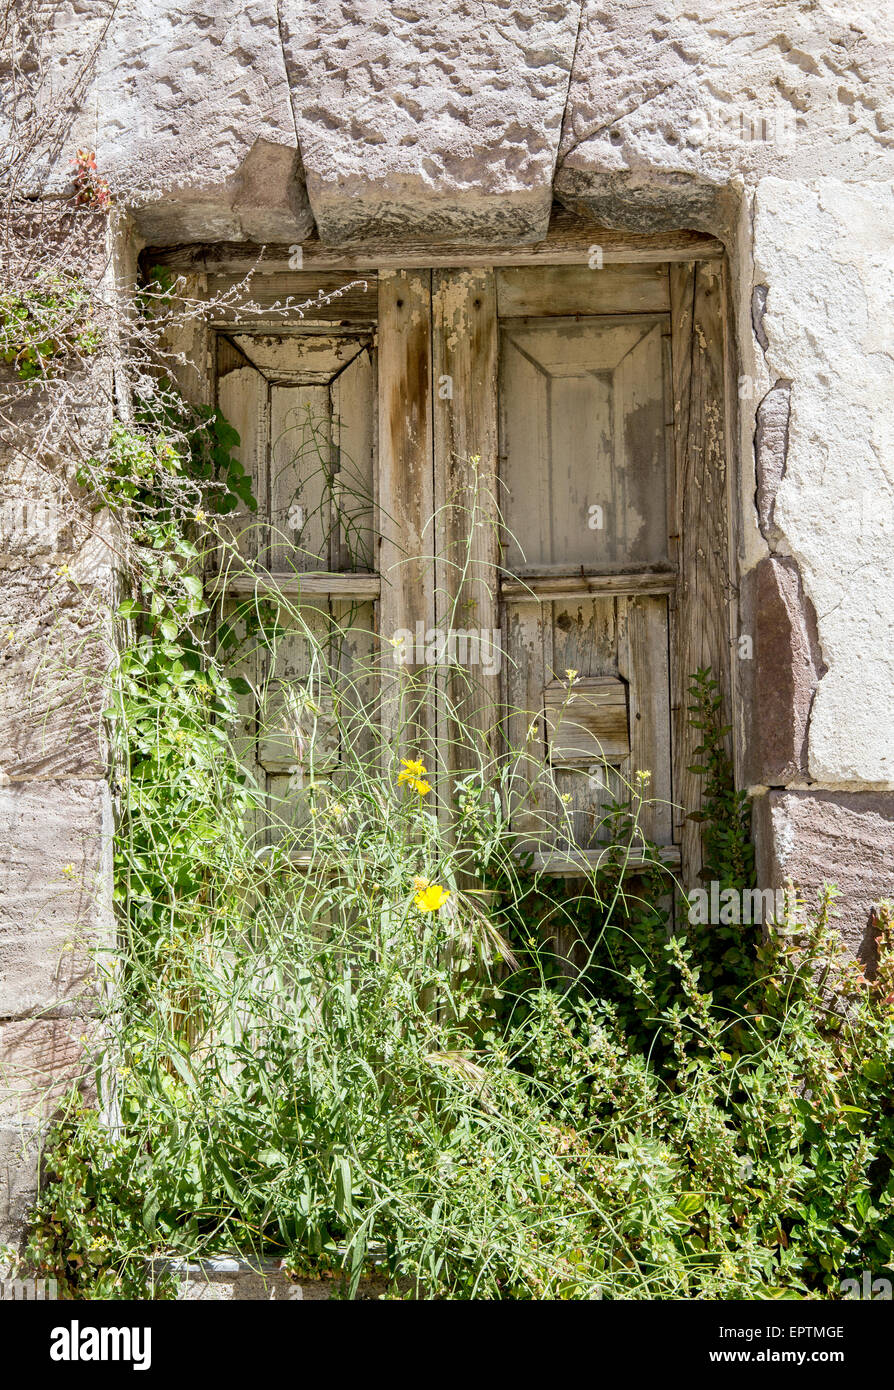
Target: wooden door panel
pixel 300 478
pixel 584 461
pixel 585 484
pixel 589 649
pixel 578 289
pixel 317 702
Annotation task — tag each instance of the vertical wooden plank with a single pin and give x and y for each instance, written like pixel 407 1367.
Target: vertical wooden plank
pixel 464 362
pixel 242 398
pixel 406 504
pixel 700 620
pixel 531 809
pixel 354 437
pixel 186 342
pixel 643 662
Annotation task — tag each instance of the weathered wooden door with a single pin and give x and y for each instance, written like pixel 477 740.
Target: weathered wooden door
pixel 485 472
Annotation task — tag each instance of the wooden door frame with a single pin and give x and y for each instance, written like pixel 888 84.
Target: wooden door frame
pixel 703 382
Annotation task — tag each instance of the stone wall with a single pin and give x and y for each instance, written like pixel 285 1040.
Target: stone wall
pixel 770 125
pixel 56 590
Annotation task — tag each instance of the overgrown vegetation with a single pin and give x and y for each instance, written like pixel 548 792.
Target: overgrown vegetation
pixel 46 323
pixel 337 1026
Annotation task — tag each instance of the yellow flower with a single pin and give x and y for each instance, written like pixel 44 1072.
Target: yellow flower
pixel 430 898
pixel 413 775
pixel 571 676
pixel 64 572
pixel 68 870
pixel 200 515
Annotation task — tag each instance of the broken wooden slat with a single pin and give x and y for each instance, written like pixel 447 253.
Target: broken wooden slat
pixel 522 589
pixel 578 862
pixel 267 584
pixel 586 721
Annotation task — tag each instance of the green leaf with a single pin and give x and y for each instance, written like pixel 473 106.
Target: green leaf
pixel 192 584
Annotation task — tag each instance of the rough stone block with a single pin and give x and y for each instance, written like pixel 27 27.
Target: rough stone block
pixel 780 681
pixel 54 895
pixel 53 656
pixel 668 106
pixel 429 120
pixel 196 132
pixel 845 838
pixel 40 1060
pixel 19 1167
